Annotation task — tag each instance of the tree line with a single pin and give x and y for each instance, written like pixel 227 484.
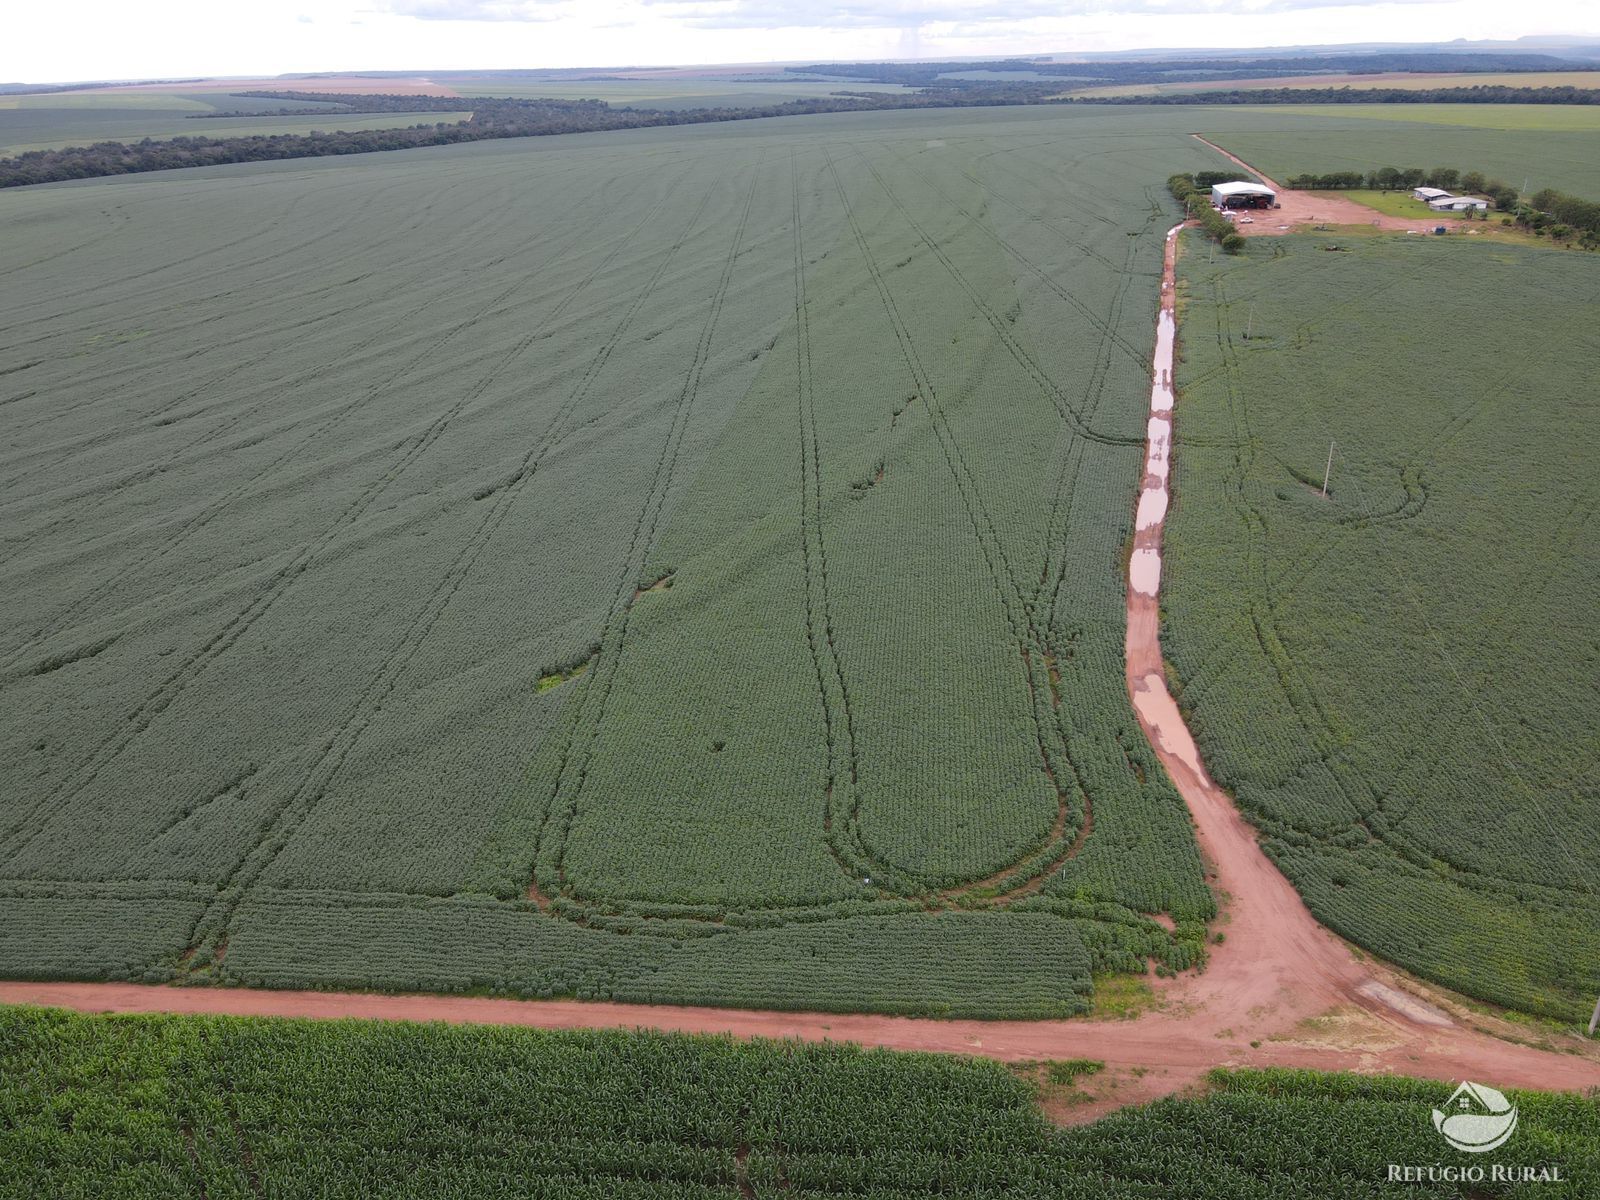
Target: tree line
pixel 1404 179
pixel 1194 193
pixel 1476 94
pixel 1548 212
pixel 491 118
pixel 1094 73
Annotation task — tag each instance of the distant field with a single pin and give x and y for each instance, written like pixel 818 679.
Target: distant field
pixel 672 565
pixel 1575 118
pixel 669 93
pixel 142 1107
pixel 1557 150
pixel 48 129
pixel 1397 682
pixel 1409 81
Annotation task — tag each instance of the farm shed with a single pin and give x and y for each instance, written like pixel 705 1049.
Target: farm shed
pixel 1457 203
pixel 1427 193
pixel 1242 194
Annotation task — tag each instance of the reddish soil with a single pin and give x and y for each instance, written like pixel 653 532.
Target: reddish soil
pixel 1298 209
pixel 1278 991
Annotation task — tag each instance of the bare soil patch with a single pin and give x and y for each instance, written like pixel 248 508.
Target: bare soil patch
pixel 1297 210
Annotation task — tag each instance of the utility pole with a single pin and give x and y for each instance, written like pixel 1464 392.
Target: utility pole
pixel 1327 471
pixel 1594 1020
pixel 1250 324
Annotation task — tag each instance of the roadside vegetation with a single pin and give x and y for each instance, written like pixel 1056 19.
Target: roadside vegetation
pixel 1194 193
pixel 137 1106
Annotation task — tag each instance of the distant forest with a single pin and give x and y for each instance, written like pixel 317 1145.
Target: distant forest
pixel 1187 70
pixel 1478 94
pixel 491 118
pixel 928 84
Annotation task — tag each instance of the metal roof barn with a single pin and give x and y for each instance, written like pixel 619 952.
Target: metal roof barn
pixel 1241 193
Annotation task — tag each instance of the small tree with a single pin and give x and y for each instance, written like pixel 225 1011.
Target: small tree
pixel 1472 181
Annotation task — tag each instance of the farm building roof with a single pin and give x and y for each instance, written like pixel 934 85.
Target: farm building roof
pixel 1241 188
pixel 1428 193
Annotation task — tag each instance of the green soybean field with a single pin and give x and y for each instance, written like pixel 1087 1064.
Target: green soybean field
pixel 1396 680
pixel 682 565
pixel 231 1107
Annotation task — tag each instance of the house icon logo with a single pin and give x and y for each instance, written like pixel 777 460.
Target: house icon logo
pixel 1476 1119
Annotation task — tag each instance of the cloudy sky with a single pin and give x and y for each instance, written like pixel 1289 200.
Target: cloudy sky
pixel 104 39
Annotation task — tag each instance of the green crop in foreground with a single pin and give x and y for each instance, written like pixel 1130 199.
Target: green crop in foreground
pixel 157 1106
pixel 1396 682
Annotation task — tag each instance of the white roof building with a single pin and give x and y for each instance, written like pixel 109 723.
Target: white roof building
pixel 1221 193
pixel 1427 193
pixel 1456 203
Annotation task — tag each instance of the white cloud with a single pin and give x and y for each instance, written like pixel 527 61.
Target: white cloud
pixel 109 39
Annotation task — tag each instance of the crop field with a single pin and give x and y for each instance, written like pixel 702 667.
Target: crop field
pixel 225 1107
pixel 1544 145
pixel 1397 682
pixel 688 92
pixel 148 1106
pixel 48 122
pixel 676 565
pixel 1389 80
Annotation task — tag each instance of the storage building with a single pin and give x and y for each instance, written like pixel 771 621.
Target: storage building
pixel 1243 194
pixel 1457 203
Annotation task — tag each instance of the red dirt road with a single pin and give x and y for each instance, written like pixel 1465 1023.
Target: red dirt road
pixel 1279 991
pixel 1297 209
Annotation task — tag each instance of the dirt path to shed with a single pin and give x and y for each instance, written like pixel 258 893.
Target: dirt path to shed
pixel 1297 210
pixel 1280 990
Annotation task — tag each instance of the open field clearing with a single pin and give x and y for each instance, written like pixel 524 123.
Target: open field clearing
pixel 1553 118
pixel 44 122
pixel 1548 146
pixel 682 565
pixel 667 93
pixel 52 129
pixel 160 1106
pixel 1396 683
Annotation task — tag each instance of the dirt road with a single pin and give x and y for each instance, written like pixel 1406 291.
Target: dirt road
pixel 1298 209
pixel 1279 990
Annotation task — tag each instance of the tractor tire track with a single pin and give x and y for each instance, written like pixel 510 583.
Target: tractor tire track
pixel 577 752
pixel 1008 590
pixel 169 690
pixel 13 657
pixel 853 858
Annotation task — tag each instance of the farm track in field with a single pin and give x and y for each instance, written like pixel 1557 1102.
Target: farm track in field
pixel 1277 970
pixel 212 928
pixel 838 831
pixel 560 813
pixel 287 575
pixel 1031 642
pixel 249 486
pixel 273 338
pixel 424 270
